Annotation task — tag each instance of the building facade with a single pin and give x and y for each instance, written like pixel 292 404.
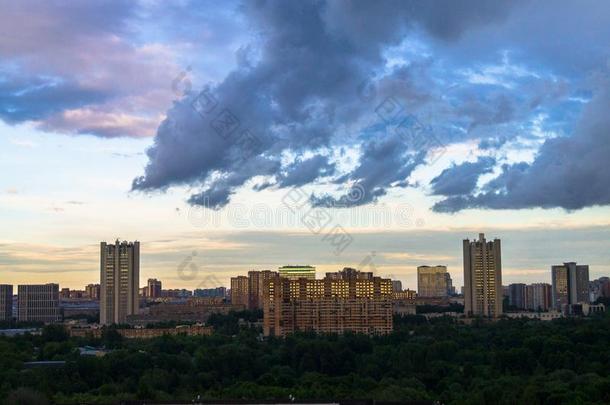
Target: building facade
pixel 297 272
pixel 433 281
pixel 570 285
pixel 240 291
pixel 38 303
pixel 154 288
pixel 93 291
pixel 599 288
pixel 256 282
pixel 538 297
pixel 517 295
pixel 343 301
pixel 482 277
pixel 218 292
pixel 119 281
pixel 6 302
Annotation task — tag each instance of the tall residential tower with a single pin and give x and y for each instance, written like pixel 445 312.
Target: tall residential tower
pixel 570 284
pixel 119 280
pixel 6 302
pixel 482 277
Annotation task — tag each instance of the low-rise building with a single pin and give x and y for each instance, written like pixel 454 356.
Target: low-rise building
pixel 145 333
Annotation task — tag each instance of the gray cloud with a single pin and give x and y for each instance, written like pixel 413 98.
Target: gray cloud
pixel 568 172
pixel 461 179
pixel 35 98
pixel 295 90
pixel 384 163
pixel 305 171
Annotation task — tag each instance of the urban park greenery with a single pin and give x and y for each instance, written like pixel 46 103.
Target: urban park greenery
pixel 566 361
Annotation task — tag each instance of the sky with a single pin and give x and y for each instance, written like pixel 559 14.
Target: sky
pixel 229 136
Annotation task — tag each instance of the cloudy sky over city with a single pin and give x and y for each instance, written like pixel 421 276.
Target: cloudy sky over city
pixel 248 135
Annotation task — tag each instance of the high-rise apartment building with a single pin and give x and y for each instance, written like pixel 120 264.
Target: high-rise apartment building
pixel 517 295
pixel 340 302
pixel 538 297
pixel 570 284
pixel 482 277
pixel 296 272
pixel 154 288
pixel 433 281
pixel 256 282
pixel 38 302
pixel 397 285
pixel 240 291
pixel 93 291
pixel 119 281
pixel 6 302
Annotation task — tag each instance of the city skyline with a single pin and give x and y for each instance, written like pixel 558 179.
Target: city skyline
pixel 304 201
pixel 136 135
pixel 383 264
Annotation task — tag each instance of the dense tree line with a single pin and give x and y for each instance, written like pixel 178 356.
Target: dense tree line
pixel 506 362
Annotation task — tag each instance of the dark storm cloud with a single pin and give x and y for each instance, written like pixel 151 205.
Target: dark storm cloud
pixel 305 171
pixel 568 172
pixel 461 179
pixel 295 89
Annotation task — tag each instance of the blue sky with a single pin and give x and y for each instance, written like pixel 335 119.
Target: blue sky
pixel 405 126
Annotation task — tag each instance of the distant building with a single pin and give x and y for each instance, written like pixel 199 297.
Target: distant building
pixel 146 333
pixel 177 293
pixel 296 272
pixel 189 310
pixel 342 301
pixel 68 294
pixel 543 316
pixel 405 295
pixel 397 285
pixel 403 302
pixel 482 277
pixel 599 288
pixel 154 288
pixel 516 295
pixel 218 292
pixel 64 293
pixel 119 281
pixel 38 303
pixel 256 281
pixel 538 297
pixel 433 281
pixel 570 285
pixel 93 291
pixel 240 291
pixel 6 302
